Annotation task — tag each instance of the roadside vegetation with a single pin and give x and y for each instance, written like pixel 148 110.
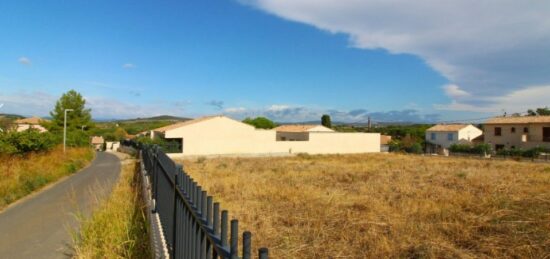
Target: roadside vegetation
pixel 30 159
pixel 118 227
pixel 20 175
pixel 384 205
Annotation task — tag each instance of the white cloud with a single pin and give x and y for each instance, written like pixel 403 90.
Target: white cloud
pixel 25 61
pixel 454 91
pixel 234 110
pixel 516 101
pixel 41 103
pixel 488 48
pixel 128 66
pixel 299 113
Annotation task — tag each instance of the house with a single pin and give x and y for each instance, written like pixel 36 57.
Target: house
pixel 220 135
pixel 97 142
pixel 29 123
pixel 385 143
pixel 441 136
pixel 298 132
pixel 517 132
pixel 112 145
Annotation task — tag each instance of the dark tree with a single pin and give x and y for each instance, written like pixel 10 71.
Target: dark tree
pixel 79 118
pixel 325 121
pixel 260 122
pixel 540 111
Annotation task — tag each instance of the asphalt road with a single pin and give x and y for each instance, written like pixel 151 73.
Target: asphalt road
pixel 41 226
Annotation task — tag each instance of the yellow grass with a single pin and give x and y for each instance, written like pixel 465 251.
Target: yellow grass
pixel 384 205
pixel 21 175
pixel 117 228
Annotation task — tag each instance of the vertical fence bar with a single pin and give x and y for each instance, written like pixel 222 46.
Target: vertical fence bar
pixel 223 236
pixel 216 219
pixel 247 245
pixel 263 253
pixel 203 205
pixel 175 215
pixel 234 247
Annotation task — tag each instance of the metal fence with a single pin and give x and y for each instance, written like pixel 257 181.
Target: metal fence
pixel 193 225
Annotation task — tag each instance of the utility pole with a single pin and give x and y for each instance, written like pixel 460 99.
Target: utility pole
pixel 368 124
pixel 65 128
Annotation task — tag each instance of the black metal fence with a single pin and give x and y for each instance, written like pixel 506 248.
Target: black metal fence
pixel 194 226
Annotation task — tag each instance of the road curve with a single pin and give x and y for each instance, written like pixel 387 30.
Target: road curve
pixel 40 226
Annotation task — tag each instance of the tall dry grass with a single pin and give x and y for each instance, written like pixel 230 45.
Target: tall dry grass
pixel 21 175
pixel 385 205
pixel 118 227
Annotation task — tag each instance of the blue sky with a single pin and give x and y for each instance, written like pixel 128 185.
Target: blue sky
pixel 288 60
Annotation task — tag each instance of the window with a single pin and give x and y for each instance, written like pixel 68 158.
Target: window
pixel 450 136
pixel 498 131
pixel 499 147
pixel 546 134
pixel 513 130
pixel 432 136
pixel 525 130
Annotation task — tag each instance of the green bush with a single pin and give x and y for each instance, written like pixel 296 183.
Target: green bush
pixel 517 152
pixel 26 141
pixel 469 149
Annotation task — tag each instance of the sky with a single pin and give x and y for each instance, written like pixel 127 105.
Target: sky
pixel 289 60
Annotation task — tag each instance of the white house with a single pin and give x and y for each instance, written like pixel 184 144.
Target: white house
pixel 220 135
pixel 440 137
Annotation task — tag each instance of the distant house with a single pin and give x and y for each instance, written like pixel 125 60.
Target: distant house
pixel 296 132
pixel 97 142
pixel 220 135
pixel 517 132
pixel 385 143
pixel 30 123
pixel 440 137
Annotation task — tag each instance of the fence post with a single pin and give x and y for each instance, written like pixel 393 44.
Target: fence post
pixel 175 215
pixel 263 253
pixel 155 177
pixel 234 248
pixel 247 240
pixel 223 236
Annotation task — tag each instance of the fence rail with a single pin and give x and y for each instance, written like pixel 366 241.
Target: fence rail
pixel 193 225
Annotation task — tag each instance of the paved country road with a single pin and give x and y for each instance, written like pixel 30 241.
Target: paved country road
pixel 40 226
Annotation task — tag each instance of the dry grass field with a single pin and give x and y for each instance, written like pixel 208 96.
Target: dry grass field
pixel 21 175
pixel 384 205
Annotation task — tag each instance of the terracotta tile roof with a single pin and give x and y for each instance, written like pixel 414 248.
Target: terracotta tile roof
pixel 184 123
pixel 448 127
pixel 385 139
pixel 97 140
pixel 518 120
pixel 32 121
pixel 296 128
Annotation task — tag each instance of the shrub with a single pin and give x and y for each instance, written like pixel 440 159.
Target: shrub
pixel 26 141
pixel 469 149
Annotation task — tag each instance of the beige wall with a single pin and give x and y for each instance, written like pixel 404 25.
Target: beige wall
pixel 222 135
pixel 464 135
pixel 517 139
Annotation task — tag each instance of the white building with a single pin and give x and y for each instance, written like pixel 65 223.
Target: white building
pixel 220 135
pixel 440 137
pixel 30 123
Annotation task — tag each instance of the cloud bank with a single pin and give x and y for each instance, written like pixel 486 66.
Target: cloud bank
pixel 488 50
pixel 297 113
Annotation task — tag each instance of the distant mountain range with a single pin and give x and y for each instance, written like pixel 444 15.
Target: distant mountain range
pixel 147 119
pixel 11 116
